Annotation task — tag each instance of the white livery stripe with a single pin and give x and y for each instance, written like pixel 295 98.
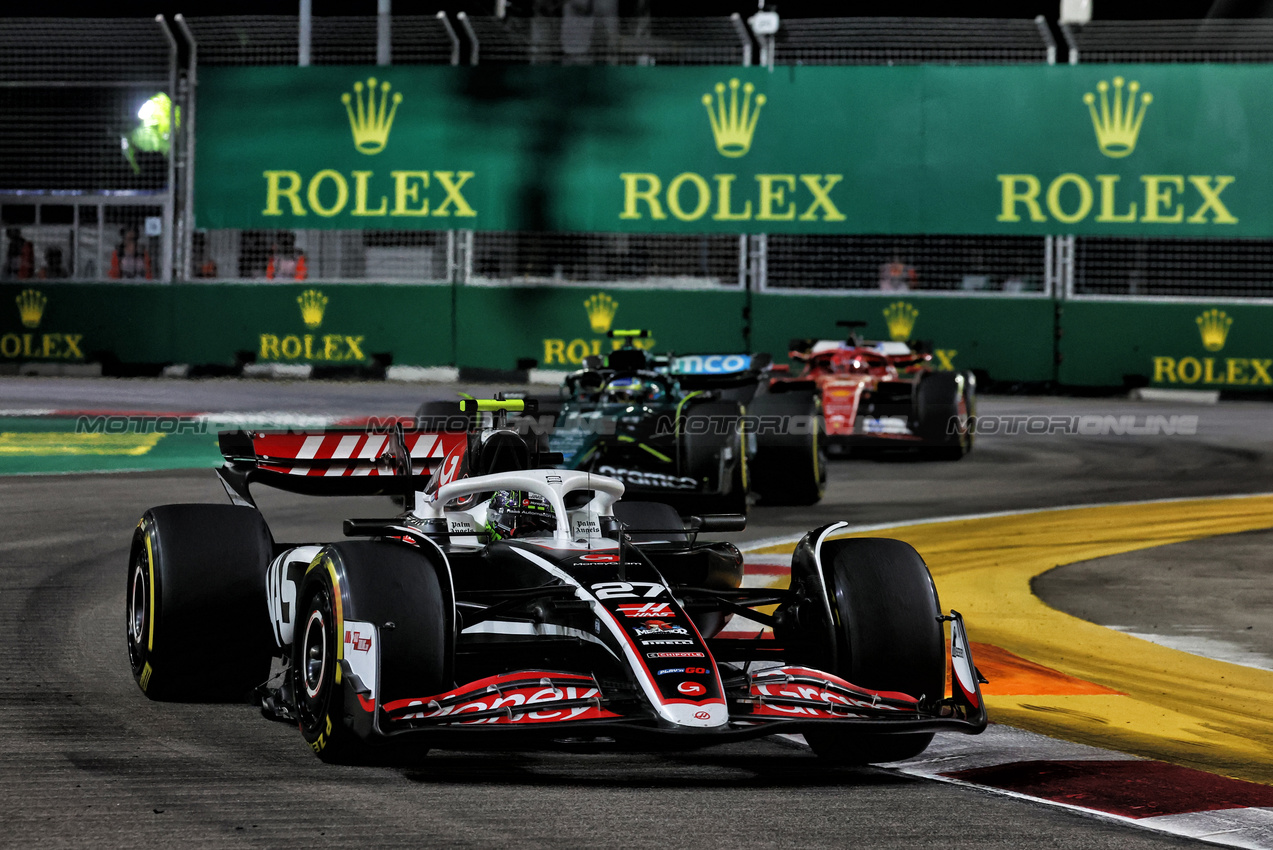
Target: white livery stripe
pixel 371 449
pixel 309 448
pixel 345 448
pixel 424 445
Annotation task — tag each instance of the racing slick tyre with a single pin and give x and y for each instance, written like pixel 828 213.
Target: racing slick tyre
pixel 399 591
pixel 198 624
pixel 712 450
pixel 790 467
pixel 888 636
pixel 943 408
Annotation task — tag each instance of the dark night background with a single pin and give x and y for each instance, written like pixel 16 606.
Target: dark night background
pixel 1101 9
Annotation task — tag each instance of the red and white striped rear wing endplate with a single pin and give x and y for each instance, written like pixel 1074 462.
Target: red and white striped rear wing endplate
pixel 340 453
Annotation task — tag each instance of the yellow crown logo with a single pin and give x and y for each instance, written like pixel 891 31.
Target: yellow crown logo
pixel 1118 126
pixel 369 123
pixel 901 320
pixel 1214 326
pixel 313 303
pixel 731 125
pixel 601 309
pixel 31 307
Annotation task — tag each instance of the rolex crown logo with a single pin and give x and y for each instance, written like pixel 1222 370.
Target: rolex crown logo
pixel 901 320
pixel 31 307
pixel 1117 126
pixel 601 309
pixel 732 124
pixel 1214 326
pixel 313 303
pixel 368 120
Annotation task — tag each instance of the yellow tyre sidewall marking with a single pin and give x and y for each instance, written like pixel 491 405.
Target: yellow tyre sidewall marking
pixel 1178 707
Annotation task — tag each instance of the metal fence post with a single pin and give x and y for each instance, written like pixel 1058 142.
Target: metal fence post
pixel 170 217
pixel 187 213
pixel 384 37
pixel 455 39
pixel 304 32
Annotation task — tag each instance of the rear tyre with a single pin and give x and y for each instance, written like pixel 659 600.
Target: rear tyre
pixel 888 637
pixel 944 406
pixel 790 468
pixel 714 450
pixel 197 621
pixel 378 582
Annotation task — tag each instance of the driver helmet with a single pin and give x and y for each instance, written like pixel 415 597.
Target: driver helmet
pixel 633 389
pixel 519 513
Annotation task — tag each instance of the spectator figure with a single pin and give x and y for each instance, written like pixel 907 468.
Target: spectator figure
pixel 896 276
pixel 53 268
pixel 129 261
pixel 201 265
pixel 286 263
pixel 19 259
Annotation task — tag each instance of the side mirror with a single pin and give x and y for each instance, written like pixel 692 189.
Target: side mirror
pixel 718 522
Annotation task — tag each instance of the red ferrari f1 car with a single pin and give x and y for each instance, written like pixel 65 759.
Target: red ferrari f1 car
pixel 516 604
pixel 879 394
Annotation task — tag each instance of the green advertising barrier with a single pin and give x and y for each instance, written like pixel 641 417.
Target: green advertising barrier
pixel 226 323
pixel 1115 150
pixel 497 327
pixel 1181 345
pixel 318 324
pixel 1008 339
pixel 85 322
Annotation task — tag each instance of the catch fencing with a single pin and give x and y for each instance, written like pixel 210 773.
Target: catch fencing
pixel 1167 269
pixel 101 131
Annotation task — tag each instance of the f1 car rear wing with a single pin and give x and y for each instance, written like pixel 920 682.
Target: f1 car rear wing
pixel 337 462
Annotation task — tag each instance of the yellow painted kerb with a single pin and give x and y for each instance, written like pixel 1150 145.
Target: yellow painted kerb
pixel 1172 705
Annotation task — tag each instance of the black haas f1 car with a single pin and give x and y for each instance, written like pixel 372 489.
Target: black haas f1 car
pixel 697 432
pixel 879 394
pixel 515 606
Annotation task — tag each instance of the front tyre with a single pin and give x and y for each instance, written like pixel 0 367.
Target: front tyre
pixel 888 637
pixel 317 684
pixel 396 589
